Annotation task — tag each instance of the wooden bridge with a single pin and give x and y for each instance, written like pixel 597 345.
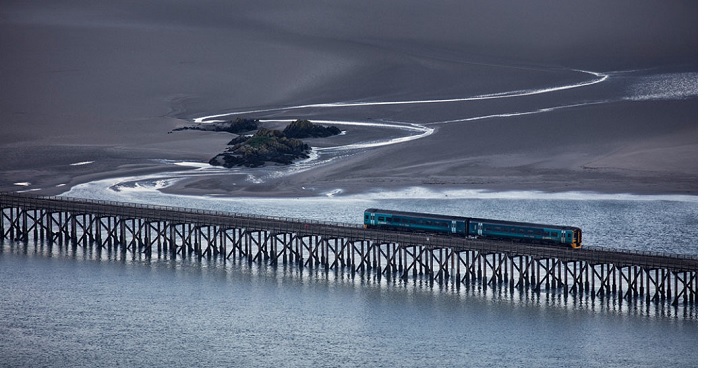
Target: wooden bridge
pixel 157 231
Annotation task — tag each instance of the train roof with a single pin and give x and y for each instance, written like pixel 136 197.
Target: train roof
pixel 517 223
pixel 416 214
pixel 484 220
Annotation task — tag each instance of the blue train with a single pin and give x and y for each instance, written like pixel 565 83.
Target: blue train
pixel 473 227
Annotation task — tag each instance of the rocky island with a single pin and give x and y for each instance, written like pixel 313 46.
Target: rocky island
pixel 236 126
pixel 305 129
pixel 265 145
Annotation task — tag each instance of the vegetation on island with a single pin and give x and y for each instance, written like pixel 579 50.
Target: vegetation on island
pixel 264 146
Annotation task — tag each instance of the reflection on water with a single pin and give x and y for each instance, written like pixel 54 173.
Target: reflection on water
pixel 348 276
pixel 65 307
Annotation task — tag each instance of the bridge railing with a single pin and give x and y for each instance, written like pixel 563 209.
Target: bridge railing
pixel 70 203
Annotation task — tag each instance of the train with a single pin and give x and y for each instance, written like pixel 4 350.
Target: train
pixel 473 227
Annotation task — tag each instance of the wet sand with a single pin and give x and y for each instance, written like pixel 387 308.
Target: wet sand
pixel 92 89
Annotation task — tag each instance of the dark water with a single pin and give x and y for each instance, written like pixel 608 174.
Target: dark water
pixel 71 308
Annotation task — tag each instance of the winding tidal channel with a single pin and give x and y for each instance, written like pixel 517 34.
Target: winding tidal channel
pixel 634 85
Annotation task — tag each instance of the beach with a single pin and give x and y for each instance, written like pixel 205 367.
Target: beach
pixel 556 97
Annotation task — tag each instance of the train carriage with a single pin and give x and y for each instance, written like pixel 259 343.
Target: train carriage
pixel 538 233
pixel 473 227
pixel 410 221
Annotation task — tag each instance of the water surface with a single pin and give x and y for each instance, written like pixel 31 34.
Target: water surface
pixel 65 309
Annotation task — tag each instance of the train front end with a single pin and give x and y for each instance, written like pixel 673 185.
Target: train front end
pixel 576 242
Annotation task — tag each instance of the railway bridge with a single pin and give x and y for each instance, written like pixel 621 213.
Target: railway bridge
pixel 169 232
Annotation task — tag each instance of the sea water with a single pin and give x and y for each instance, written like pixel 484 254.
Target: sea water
pixel 65 307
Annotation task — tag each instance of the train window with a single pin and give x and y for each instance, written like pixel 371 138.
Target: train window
pixel 381 218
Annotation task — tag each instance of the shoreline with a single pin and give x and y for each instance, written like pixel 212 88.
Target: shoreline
pixel 214 187
pixel 203 186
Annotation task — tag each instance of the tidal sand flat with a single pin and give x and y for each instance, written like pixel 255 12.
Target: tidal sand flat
pixel 520 95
